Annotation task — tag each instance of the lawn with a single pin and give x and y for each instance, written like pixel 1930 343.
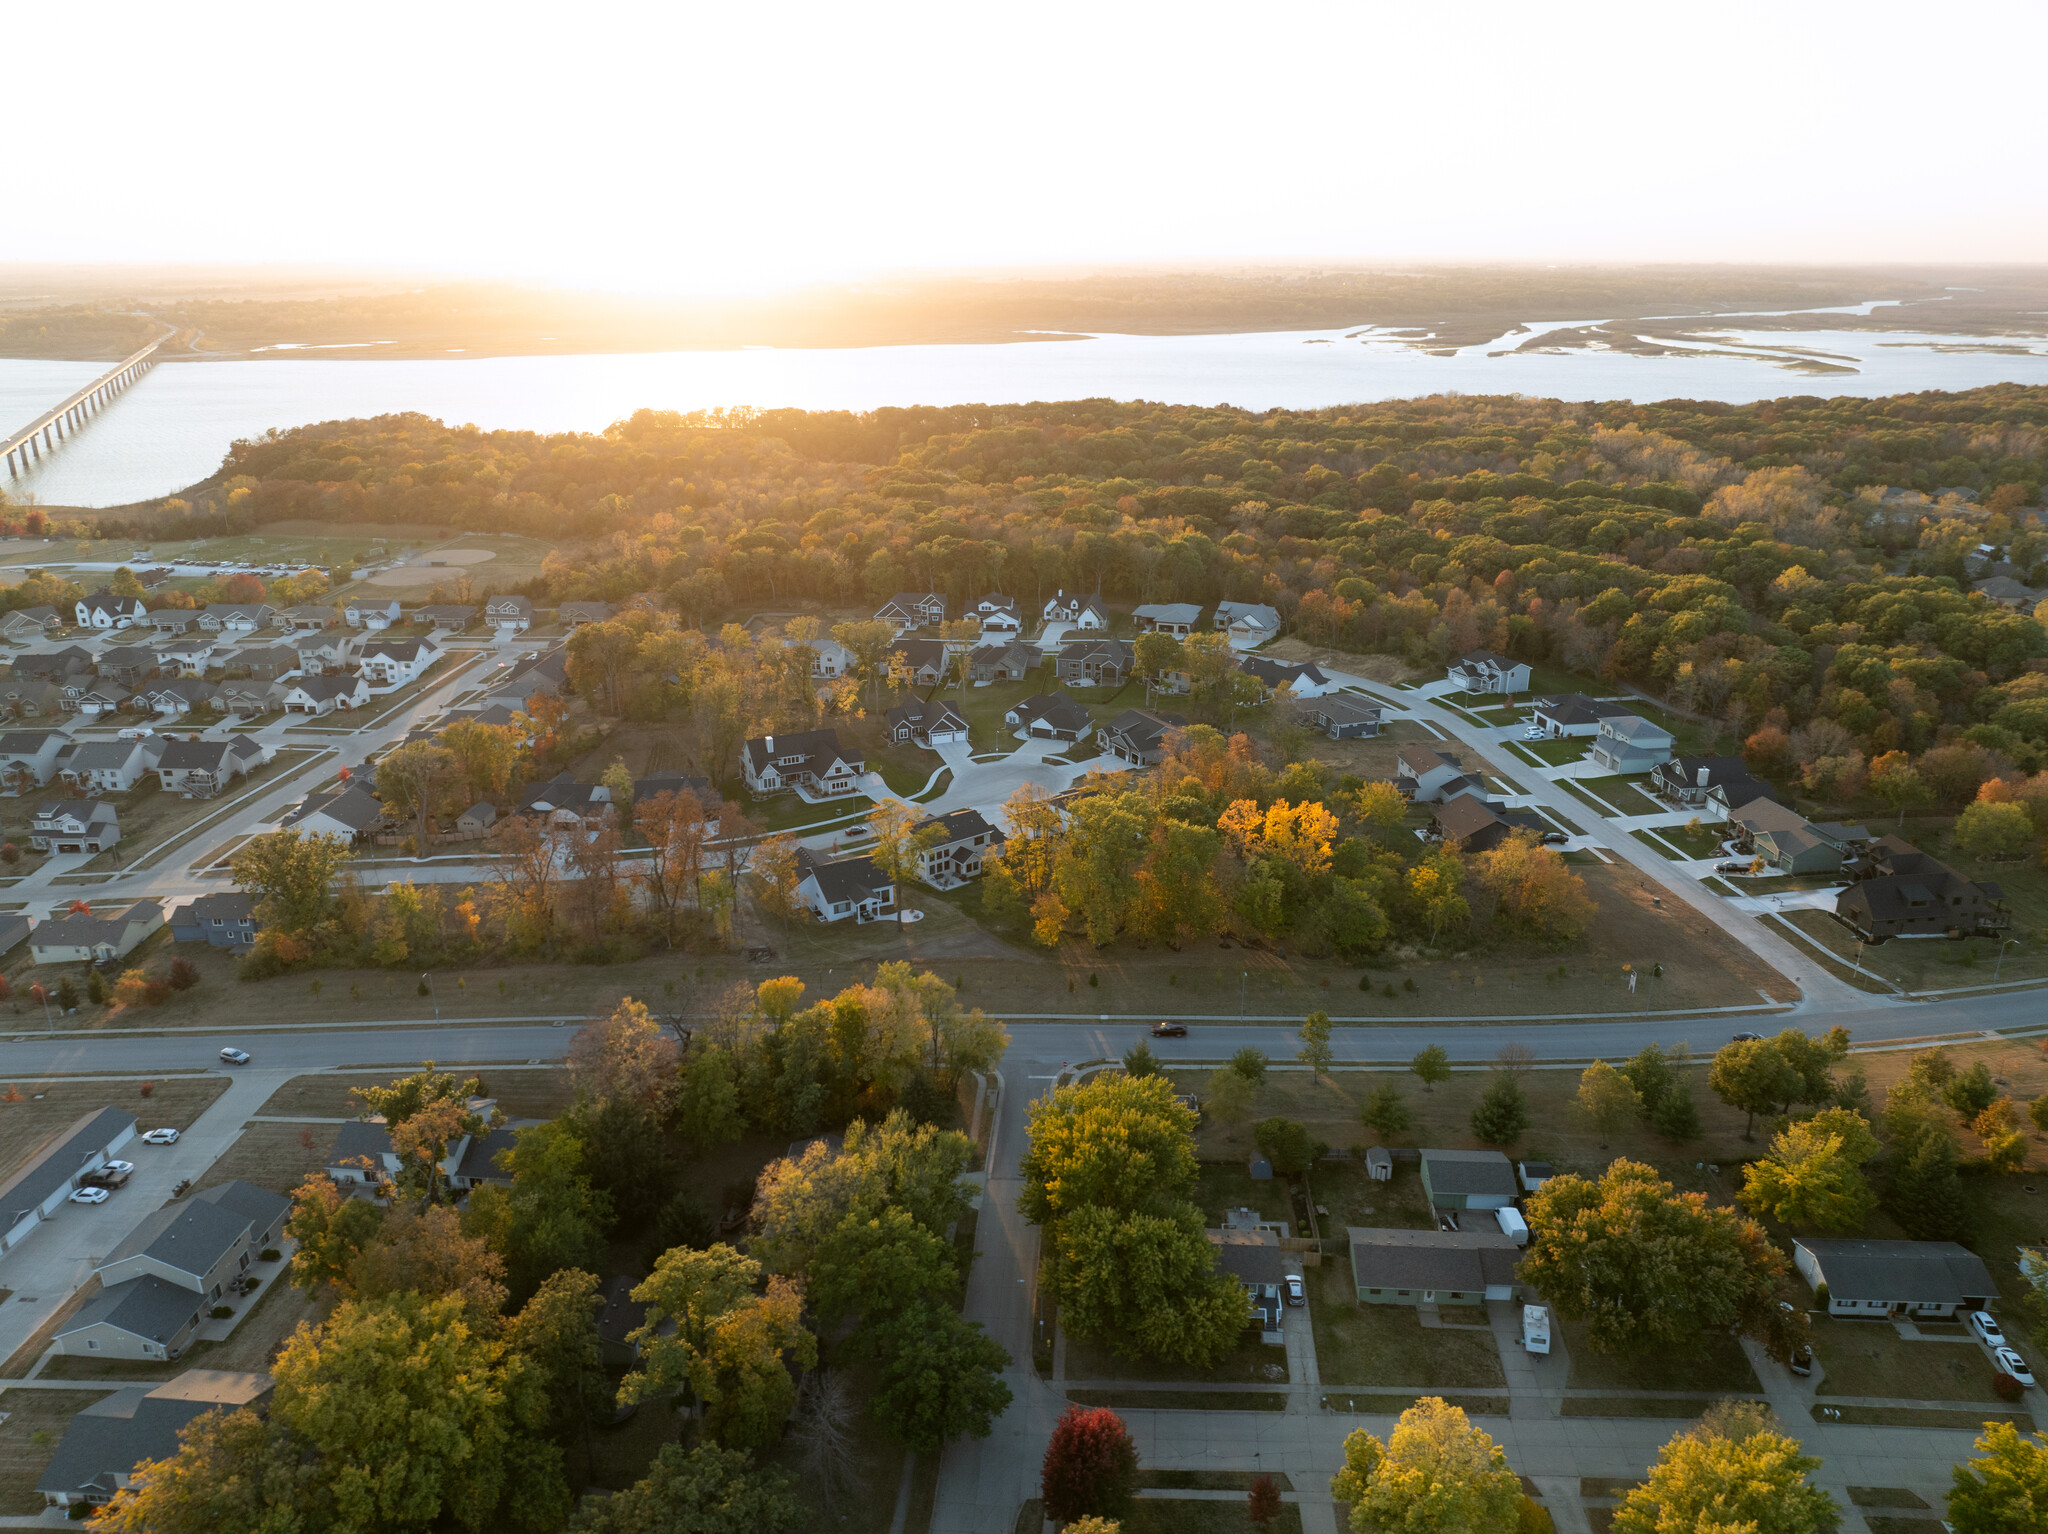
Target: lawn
pixel 274 1156
pixel 1710 1362
pixel 1922 963
pixel 1227 1185
pixel 1870 1358
pixel 522 1093
pixel 1172 1515
pixel 1388 1344
pixel 1703 843
pixel 36 1420
pixel 48 1108
pixel 1558 752
pixel 1250 1362
pixel 1353 1198
pixel 1624 793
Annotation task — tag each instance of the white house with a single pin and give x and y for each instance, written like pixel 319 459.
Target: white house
pixel 509 615
pixel 185 657
pixel 236 617
pixel 29 758
pixel 930 724
pixel 394 662
pixel 1051 716
pixel 1484 671
pixel 111 766
pixel 812 759
pixel 104 610
pixel 1249 624
pixel 849 887
pixel 1573 715
pixel 371 613
pixel 1302 679
pixel 1429 777
pixel 74 825
pixel 998 615
pixel 830 658
pixel 177 697
pixel 319 695
pixel 83 939
pixel 348 812
pixel 322 650
pixel 1071 607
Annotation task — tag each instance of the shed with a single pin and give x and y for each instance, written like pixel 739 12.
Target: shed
pixel 1534 1174
pixel 480 816
pixel 1261 1169
pixel 1379 1164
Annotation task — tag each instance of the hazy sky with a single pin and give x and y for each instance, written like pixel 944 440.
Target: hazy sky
pixel 684 147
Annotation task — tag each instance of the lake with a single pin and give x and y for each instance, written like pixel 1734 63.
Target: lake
pixel 171 429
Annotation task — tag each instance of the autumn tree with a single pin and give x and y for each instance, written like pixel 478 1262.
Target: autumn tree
pixel 293 877
pixel 428 1252
pixel 1644 1265
pixel 674 826
pixel 1315 1051
pixel 484 756
pixel 1738 1469
pixel 780 871
pixel 1894 779
pixel 1435 1474
pixel 1813 1178
pixel 414 779
pixel 1752 1075
pixel 700 1490
pixel 550 1218
pixel 625 1058
pixel 1433 1064
pixel 423 1115
pixel 331 1230
pixel 1433 887
pixel 1091 1465
pixel 1606 1101
pixel 2004 1490
pixel 1534 889
pixel 231 1470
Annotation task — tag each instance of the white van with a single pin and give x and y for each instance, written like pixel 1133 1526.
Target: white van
pixel 1536 1328
pixel 1513 1226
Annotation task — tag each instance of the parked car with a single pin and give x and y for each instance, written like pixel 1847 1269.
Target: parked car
pixel 89 1196
pixel 1555 838
pixel 1749 1038
pixel 106 1176
pixel 235 1056
pixel 1169 1030
pixel 160 1137
pixel 1732 866
pixel 1802 1363
pixel 1986 1329
pixel 2014 1365
pixel 124 1168
pixel 1297 1292
pixel 1534 732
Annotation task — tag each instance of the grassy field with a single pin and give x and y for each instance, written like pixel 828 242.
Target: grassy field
pixel 48 1108
pixel 1353 1198
pixel 1227 1185
pixel 274 1156
pixel 1710 1362
pixel 1624 793
pixel 523 1094
pixel 36 1420
pixel 1558 752
pixel 1870 1358
pixel 1388 1344
pixel 1703 843
pixel 1251 1362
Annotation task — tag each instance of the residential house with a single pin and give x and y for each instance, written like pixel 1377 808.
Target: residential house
pixel 920 662
pixel 74 825
pixel 173 621
pixel 960 841
pixel 1930 1280
pixel 1484 671
pixel 34 698
pixel 373 613
pixel 477 819
pixel 349 811
pixel 29 758
pixel 444 617
pixel 2007 592
pixel 226 920
pixel 59 665
pixel 1082 612
pixel 1249 624
pixel 573 615
pixel 1629 744
pixel 1685 781
pixel 1573 715
pixel 1138 736
pixel 84 938
pixel 830 658
pixel 931 724
pixel 1428 776
pixel 149 577
pixel 1471 824
pixel 1907 893
pixel 478 1162
pixel 1303 680
pixel 562 801
pixel 534 674
pixel 999 616
pixel 177 697
pixel 1343 716
pixel 808 759
pixel 264 663
pixel 102 698
pixel 319 695
pixel 190 656
pixel 1789 842
pixel 1051 716
pixel 322 650
pixel 1432 1267
pixel 201 1242
pixel 1176 618
pixel 509 615
pixel 128 663
pixel 1095 662
pixel 1734 791
pixel 53 1172
pixel 233 618
pixel 1001 663
pixel 395 662
pixel 248 697
pixel 362 1153
pixel 137 1424
pixel 847 887
pixel 309 617
pixel 1461 1179
pixel 200 769
pixel 29 623
pixel 104 610
pixel 111 766
pixel 912 610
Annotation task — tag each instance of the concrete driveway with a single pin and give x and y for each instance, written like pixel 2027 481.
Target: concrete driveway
pixel 985 785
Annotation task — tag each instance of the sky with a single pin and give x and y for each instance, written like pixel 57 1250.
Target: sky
pixel 688 148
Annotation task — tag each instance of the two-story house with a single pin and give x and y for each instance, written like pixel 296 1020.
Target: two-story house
pixel 509 615
pixel 1686 782
pixel 372 613
pixel 200 769
pixel 1627 744
pixel 104 610
pixel 1138 736
pixel 111 766
pixel 322 650
pixel 1427 776
pixel 920 662
pixel 189 656
pixel 1908 893
pixel 128 664
pixel 956 846
pixel 225 920
pixel 395 662
pixel 1572 715
pixel 810 760
pixel 999 616
pixel 1094 662
pixel 29 758
pixel 910 610
pixel 264 663
pixel 73 825
pixel 1484 671
pixel 1071 607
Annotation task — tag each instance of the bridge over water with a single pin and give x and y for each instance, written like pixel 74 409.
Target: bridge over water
pixel 49 429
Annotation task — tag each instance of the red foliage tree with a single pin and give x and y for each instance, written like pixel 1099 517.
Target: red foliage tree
pixel 242 587
pixel 1091 1465
pixel 184 975
pixel 1265 1501
pixel 1768 751
pixel 78 908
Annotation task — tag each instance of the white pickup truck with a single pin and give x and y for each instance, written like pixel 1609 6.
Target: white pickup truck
pixel 1536 1328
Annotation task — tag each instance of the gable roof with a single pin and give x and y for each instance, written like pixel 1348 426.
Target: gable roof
pixel 1463 1260
pixel 1168 612
pixel 1419 760
pixel 1061 710
pixel 1634 728
pixel 1142 728
pixel 86 931
pixel 1574 708
pixel 353 806
pixel 58 1164
pixel 1469 1172
pixel 1254 614
pixel 925 714
pixel 1281 673
pixel 190 1236
pixel 148 1306
pixel 957 826
pixel 849 879
pixel 1923 1272
pixel 195 755
pixel 227 905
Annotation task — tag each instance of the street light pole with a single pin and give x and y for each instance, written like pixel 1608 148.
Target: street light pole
pixel 427 980
pixel 1243 980
pixel 2001 958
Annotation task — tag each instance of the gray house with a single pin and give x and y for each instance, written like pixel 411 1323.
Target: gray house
pixel 1881 1279
pixel 226 920
pixel 1630 744
pixel 1456 1179
pixel 40 1188
pixel 1432 1267
pixel 107 1440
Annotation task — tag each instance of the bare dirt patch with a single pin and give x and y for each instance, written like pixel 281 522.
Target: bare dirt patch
pixel 36 1420
pixel 1388 669
pixel 48 1109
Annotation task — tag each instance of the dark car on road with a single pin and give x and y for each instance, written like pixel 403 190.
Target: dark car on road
pixel 1169 1030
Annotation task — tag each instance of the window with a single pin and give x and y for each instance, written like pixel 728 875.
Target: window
pixel 92 1345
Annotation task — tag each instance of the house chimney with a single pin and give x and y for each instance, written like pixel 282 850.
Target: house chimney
pixel 771 745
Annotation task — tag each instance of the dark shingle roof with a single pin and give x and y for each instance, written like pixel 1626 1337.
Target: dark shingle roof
pixel 1469 1172
pixel 149 1307
pixel 1920 1272
pixel 63 1160
pixel 1465 1260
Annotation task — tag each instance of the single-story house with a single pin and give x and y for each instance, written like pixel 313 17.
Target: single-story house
pixel 1484 671
pixel 362 1152
pixel 82 939
pixel 813 759
pixel 1458 1179
pixel 1628 743
pixel 998 615
pixel 1176 618
pixel 445 617
pixel 236 617
pixel 1732 792
pixel 961 840
pixel 200 1242
pixel 920 662
pixel 74 825
pixel 509 614
pixel 1138 736
pixel 103 697
pixel 178 696
pixel 480 816
pixel 52 1175
pixel 1071 607
pixel 573 615
pixel 1344 716
pixel 1573 715
pixel 478 1159
pixel 1684 781
pixel 30 623
pixel 1249 624
pixel 849 887
pixel 1432 1267
pixel 172 620
pixel 1051 716
pixel 912 610
pixel 1894 1278
pixel 1907 893
pixel 2006 592
pixel 1002 662
pixel 249 697
pixel 1534 1174
pixel 1252 1257
pixel 1475 825
pixel 1298 677
pixel 349 812
pixel 199 769
pixel 108 1439
pixel 932 723
pixel 563 801
pixel 226 920
pixel 312 616
pixel 321 695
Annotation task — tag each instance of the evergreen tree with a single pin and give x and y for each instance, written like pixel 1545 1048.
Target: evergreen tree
pixel 1677 1117
pixel 1502 1114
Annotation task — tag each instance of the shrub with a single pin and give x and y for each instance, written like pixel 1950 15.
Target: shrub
pixel 269 1254
pixel 221 1312
pixel 2008 1388
pixel 9 854
pixel 184 975
pixel 95 991
pixel 132 989
pixel 147 1089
